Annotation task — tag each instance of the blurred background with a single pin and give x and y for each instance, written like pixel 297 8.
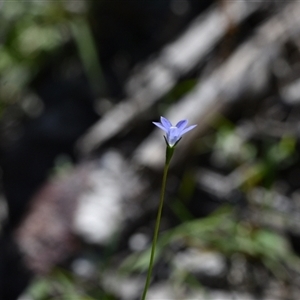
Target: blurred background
pixel 81 162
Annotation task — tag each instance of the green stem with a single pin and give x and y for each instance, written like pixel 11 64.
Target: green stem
pixel 169 153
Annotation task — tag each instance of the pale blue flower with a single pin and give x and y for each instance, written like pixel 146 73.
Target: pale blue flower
pixel 173 133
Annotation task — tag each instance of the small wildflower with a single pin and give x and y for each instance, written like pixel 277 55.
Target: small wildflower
pixel 173 133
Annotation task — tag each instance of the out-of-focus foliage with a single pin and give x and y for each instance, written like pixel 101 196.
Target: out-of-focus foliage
pixel 63 285
pixel 31 31
pixel 224 233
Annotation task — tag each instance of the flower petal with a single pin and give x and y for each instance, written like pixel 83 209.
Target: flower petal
pixel 165 122
pixel 160 126
pixel 181 124
pixel 173 136
pixel 187 129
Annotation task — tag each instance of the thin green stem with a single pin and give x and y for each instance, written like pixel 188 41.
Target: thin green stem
pixel 157 224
